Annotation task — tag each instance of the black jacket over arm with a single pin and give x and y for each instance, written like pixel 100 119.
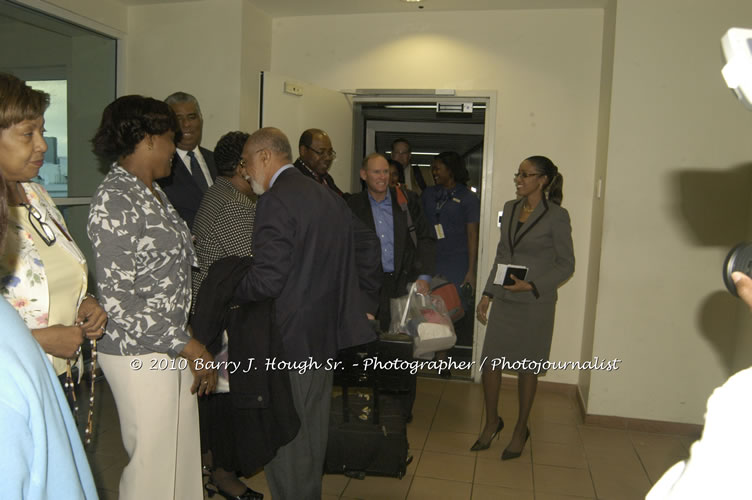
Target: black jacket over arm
pixel 262 398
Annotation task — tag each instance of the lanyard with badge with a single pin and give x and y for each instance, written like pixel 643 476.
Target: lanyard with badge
pixel 440 202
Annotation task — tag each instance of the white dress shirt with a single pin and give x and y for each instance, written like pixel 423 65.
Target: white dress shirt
pixel 187 163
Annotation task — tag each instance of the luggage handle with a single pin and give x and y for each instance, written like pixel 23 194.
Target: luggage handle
pixel 346 406
pixel 413 287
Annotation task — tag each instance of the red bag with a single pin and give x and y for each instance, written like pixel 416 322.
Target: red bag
pixel 448 292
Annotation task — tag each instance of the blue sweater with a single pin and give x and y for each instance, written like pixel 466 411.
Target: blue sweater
pixel 41 455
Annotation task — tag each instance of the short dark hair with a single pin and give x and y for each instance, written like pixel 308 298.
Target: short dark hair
pixel 228 151
pixel 400 170
pixel 19 102
pixel 306 138
pixel 127 120
pixel 405 141
pixel 456 166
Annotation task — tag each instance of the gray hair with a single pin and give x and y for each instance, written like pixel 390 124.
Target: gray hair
pixel 273 139
pixel 177 97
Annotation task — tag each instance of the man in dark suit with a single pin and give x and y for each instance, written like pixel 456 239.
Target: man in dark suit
pixel 193 169
pixel 403 258
pixel 316 157
pixel 304 259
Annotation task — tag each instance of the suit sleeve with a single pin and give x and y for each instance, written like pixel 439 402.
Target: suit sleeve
pixel 426 240
pixel 563 265
pixel 274 244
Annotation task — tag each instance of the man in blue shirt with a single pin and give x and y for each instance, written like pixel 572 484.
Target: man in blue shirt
pixel 407 246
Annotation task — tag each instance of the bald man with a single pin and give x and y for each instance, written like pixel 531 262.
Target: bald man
pixel 304 259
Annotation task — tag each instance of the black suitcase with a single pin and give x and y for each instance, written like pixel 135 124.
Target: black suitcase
pixel 367 435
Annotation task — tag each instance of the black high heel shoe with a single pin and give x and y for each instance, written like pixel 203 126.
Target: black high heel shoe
pixel 478 446
pixel 509 455
pixel 248 494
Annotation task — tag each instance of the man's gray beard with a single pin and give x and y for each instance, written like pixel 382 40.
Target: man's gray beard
pixel 257 187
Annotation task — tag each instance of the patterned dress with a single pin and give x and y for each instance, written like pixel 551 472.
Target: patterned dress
pixel 143 255
pixel 223 227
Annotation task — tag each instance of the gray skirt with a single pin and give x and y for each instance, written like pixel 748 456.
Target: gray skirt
pixel 517 331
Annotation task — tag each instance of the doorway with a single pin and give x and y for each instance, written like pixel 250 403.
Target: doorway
pixel 430 128
pixel 294 106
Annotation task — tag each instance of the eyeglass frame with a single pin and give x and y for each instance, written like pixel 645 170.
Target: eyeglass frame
pixel 47 235
pixel 331 153
pixel 525 175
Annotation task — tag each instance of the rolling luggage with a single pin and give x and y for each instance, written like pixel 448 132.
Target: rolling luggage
pixel 367 436
pixel 367 422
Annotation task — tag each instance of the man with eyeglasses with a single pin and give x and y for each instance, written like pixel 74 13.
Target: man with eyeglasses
pixel 316 157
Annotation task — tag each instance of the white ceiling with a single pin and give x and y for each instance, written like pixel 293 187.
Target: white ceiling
pixel 287 8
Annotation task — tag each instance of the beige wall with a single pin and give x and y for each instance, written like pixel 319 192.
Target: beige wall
pixel 545 66
pixel 677 197
pixel 193 47
pixel 255 56
pixel 673 141
pixel 213 49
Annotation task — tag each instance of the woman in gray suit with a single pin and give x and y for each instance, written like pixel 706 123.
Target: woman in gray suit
pixel 535 233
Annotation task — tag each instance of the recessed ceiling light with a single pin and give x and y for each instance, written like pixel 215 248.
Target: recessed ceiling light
pixel 411 1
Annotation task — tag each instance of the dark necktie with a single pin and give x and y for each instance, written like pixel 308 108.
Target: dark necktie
pixel 196 172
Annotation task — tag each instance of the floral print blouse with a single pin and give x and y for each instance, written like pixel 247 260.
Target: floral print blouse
pixel 143 254
pixel 23 281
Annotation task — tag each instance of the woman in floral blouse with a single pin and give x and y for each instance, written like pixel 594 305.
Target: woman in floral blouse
pixel 42 271
pixel 143 256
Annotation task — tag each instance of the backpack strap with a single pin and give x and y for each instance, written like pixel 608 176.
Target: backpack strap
pixel 402 201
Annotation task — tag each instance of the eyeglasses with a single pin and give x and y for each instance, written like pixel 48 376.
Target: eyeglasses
pixel 331 153
pixel 524 175
pixel 43 229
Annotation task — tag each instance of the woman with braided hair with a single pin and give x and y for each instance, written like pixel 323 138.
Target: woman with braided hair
pixel 535 233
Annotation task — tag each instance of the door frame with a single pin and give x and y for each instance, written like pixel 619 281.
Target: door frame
pixel 488 219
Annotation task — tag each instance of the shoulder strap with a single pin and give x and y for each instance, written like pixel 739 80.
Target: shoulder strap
pixel 402 201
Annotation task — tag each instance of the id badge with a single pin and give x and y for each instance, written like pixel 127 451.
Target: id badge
pixel 439 231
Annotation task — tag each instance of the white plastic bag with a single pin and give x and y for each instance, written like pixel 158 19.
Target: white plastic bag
pixel 426 319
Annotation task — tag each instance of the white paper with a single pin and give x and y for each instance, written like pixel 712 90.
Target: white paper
pixel 501 271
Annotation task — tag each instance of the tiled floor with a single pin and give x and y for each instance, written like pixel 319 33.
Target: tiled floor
pixel 563 460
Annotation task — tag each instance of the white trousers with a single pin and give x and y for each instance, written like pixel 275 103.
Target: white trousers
pixel 159 425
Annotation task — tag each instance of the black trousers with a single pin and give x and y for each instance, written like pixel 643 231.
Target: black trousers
pixel 388 291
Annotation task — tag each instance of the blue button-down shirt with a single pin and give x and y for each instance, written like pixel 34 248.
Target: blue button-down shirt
pixel 384 224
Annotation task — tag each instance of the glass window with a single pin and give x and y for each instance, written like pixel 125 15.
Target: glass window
pixel 77 67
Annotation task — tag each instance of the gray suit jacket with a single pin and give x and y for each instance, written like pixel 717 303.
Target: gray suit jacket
pixel 543 244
